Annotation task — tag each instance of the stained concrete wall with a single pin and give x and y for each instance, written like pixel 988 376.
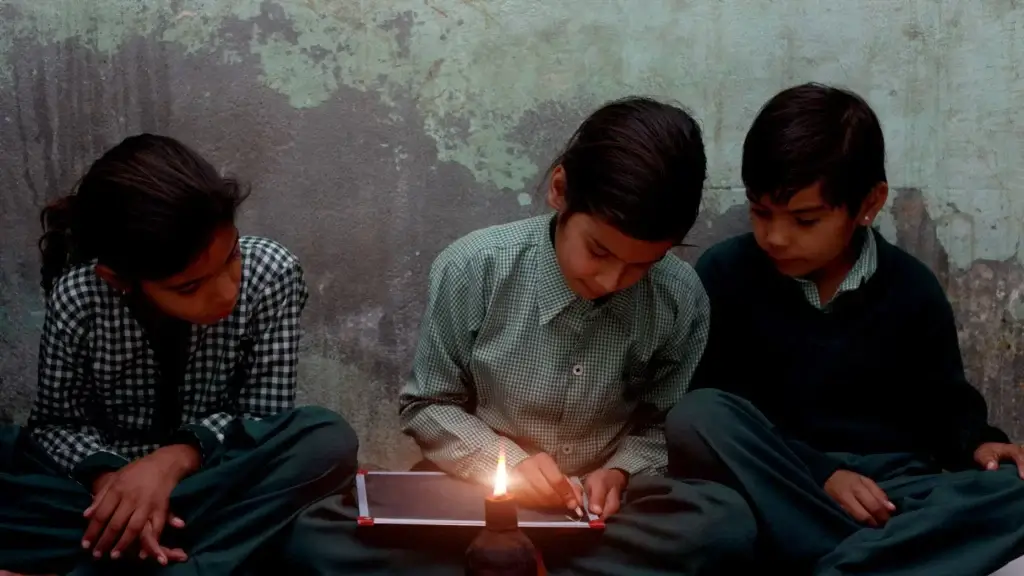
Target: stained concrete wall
pixel 375 132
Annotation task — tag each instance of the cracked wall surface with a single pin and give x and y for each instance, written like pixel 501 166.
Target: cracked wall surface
pixel 375 132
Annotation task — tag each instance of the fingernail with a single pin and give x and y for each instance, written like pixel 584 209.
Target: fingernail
pixel 115 555
pixel 595 509
pixel 97 554
pixel 142 555
pixel 991 465
pixel 163 560
pixel 85 544
pixel 890 505
pixel 572 504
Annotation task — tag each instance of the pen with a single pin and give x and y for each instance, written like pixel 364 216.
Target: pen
pixel 567 491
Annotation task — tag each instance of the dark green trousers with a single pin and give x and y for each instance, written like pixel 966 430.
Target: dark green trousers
pixel 664 527
pixel 967 523
pixel 265 475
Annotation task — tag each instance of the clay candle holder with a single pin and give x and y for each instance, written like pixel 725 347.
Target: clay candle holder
pixel 501 549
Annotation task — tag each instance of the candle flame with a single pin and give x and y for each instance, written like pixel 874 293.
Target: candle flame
pixel 501 475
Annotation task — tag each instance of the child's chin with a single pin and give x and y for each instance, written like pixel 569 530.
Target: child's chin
pixel 582 290
pixel 794 269
pixel 211 320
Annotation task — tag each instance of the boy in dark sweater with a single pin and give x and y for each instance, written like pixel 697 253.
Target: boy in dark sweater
pixel 834 395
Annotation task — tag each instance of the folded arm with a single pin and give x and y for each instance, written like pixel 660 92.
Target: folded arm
pixel 436 402
pixel 644 450
pixel 61 417
pixel 270 372
pixel 959 422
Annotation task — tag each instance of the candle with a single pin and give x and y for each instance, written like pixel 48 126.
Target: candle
pixel 500 507
pixel 501 475
pixel 501 548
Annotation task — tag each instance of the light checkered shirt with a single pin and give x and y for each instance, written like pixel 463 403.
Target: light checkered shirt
pixel 861 272
pixel 99 379
pixel 506 349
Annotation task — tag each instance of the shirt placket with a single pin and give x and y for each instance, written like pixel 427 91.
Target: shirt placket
pixel 577 376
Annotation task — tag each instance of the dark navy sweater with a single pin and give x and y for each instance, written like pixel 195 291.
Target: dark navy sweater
pixel 881 372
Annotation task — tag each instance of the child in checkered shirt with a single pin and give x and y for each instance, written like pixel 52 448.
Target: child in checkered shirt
pixel 561 341
pixel 164 428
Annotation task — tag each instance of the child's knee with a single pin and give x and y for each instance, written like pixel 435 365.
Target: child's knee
pixel 700 414
pixel 701 408
pixel 328 443
pixel 729 528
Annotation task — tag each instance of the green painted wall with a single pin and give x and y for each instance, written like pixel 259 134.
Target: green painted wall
pixel 375 132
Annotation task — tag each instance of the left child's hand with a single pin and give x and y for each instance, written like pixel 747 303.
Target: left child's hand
pixel 604 490
pixel 136 498
pixel 990 454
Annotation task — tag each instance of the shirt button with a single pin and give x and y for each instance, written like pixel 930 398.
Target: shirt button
pixel 566 449
pixel 577 370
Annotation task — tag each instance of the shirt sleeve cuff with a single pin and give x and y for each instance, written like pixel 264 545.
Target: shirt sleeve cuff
pixel 485 463
pixel 630 463
pixel 86 472
pixel 514 456
pixel 991 434
pixel 962 458
pixel 201 438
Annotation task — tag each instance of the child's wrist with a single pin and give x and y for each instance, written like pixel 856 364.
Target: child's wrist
pixel 621 475
pixel 180 460
pixel 100 481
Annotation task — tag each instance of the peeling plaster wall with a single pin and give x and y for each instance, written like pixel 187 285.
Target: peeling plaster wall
pixel 375 132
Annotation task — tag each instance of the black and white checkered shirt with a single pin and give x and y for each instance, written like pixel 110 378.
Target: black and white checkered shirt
pixel 99 380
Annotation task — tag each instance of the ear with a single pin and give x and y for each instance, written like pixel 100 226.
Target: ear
pixel 112 279
pixel 873 204
pixel 556 189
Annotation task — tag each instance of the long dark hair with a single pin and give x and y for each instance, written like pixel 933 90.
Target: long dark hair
pixel 639 165
pixel 147 208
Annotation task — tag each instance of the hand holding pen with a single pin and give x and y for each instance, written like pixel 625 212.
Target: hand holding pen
pixel 538 483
